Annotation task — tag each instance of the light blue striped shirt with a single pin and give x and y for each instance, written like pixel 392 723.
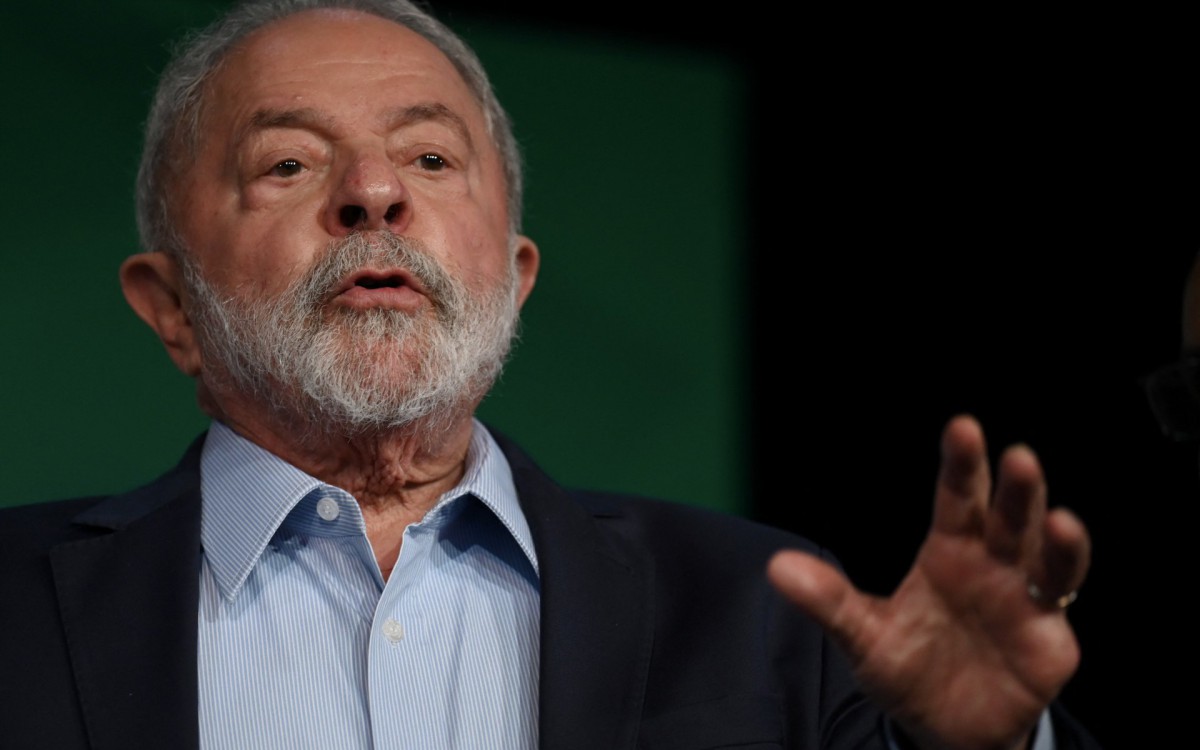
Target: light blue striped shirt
pixel 302 644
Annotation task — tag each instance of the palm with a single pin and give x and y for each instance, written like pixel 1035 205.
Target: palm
pixel 960 655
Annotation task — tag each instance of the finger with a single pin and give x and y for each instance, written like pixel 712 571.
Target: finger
pixel 963 483
pixel 1066 556
pixel 822 591
pixel 1014 522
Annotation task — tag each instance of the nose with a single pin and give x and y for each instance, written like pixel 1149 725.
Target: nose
pixel 370 196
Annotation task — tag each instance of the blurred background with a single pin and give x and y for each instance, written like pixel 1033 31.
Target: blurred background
pixel 778 254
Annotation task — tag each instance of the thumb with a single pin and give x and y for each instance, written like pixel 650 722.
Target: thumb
pixel 820 590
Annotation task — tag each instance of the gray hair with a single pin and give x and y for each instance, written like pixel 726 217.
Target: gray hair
pixel 174 118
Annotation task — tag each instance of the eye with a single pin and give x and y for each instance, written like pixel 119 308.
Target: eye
pixel 287 168
pixel 431 162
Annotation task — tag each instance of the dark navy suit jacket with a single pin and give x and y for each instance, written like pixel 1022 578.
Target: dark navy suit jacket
pixel 659 629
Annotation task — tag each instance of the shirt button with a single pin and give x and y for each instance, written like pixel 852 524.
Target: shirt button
pixel 327 508
pixel 393 631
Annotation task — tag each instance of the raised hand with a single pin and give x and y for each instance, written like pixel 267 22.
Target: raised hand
pixel 974 643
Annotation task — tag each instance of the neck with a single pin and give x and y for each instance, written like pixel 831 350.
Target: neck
pixel 395 474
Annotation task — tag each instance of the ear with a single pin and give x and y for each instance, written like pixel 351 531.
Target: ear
pixel 153 288
pixel 528 259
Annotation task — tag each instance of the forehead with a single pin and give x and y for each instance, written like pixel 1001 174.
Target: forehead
pixel 344 58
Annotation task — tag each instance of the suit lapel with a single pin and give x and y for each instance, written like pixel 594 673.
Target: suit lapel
pixel 129 598
pixel 597 618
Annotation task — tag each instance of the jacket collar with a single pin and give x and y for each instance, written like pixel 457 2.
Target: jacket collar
pixel 597 617
pixel 128 596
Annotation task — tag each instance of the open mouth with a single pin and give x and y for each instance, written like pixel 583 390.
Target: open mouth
pixel 390 288
pixel 392 281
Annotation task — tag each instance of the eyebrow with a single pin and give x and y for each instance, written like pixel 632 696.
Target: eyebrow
pixel 307 118
pixel 429 112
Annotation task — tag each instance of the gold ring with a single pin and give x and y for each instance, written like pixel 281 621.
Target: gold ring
pixel 1061 602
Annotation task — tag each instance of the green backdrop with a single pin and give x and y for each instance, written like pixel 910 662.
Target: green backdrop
pixel 629 374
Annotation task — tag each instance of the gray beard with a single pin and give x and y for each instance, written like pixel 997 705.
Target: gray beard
pixel 332 370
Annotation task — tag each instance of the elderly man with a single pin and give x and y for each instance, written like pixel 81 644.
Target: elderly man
pixel 330 202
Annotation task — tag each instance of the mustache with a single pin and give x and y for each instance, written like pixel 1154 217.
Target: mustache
pixel 374 249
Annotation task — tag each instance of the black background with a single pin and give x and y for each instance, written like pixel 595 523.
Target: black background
pixel 987 211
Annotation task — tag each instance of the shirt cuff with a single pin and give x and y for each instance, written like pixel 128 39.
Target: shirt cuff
pixel 1043 737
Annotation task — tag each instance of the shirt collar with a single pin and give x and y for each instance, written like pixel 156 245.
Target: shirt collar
pixel 247 493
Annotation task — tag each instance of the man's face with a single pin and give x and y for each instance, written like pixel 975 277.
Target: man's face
pixel 323 137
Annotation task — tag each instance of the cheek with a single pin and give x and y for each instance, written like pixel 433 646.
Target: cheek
pixel 477 230
pixel 471 252
pixel 479 243
pixel 260 258
pixel 248 244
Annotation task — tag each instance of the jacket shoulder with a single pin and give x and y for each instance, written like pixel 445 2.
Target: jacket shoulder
pixel 707 532
pixel 37 526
